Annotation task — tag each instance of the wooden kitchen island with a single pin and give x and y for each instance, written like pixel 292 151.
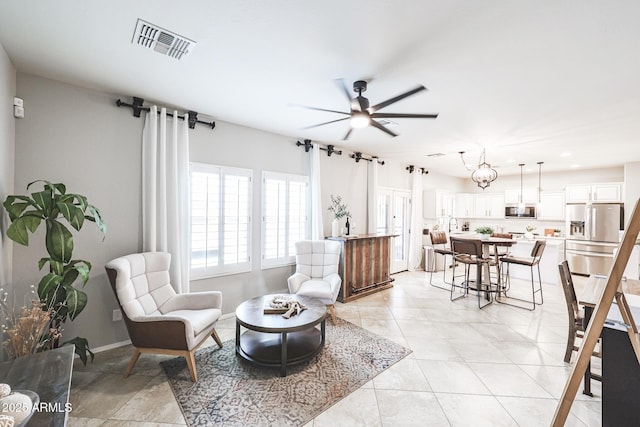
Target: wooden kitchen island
pixel 365 262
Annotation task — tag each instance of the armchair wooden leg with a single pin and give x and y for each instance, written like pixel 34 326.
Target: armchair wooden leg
pixel 216 338
pixel 332 311
pixel 191 363
pixel 132 362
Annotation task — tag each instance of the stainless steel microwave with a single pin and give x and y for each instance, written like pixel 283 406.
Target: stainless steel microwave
pixel 529 211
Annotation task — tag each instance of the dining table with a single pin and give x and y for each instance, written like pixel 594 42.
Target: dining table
pixel 487 243
pixel 590 295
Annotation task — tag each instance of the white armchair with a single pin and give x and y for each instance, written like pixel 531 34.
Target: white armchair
pixel 316 273
pixel 159 320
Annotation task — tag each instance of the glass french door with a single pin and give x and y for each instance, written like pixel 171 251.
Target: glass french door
pixel 393 218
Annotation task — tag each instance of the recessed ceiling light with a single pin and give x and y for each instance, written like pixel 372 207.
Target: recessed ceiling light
pixel 574 166
pixel 511 161
pixel 565 154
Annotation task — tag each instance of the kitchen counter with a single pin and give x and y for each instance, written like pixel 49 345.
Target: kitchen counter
pixel 553 255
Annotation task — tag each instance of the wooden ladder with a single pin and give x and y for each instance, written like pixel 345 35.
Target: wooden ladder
pixel 613 289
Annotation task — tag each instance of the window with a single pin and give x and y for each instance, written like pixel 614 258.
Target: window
pixel 220 220
pixel 284 217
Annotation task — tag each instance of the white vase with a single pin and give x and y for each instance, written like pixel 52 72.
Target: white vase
pixel 335 228
pixel 528 235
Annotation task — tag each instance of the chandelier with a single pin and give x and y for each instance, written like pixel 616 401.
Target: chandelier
pixel 484 175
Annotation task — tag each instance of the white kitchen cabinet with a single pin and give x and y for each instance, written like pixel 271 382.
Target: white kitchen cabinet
pixel 551 206
pixel 607 192
pixel 489 205
pixel 512 195
pixel 438 203
pixel 611 192
pixel 464 207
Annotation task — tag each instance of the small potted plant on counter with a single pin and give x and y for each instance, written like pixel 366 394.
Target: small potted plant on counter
pixel 484 232
pixel 529 233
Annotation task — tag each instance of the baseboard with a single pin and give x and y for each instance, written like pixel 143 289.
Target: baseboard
pixel 110 346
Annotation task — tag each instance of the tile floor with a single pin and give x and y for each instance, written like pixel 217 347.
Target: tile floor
pixel 499 366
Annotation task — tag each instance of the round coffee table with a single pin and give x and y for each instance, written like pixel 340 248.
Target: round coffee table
pixel 272 340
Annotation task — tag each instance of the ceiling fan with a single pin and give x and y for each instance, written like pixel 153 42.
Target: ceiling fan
pixel 362 115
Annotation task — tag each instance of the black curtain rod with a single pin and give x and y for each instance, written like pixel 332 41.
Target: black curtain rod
pixel 191 116
pixel 308 145
pixel 411 168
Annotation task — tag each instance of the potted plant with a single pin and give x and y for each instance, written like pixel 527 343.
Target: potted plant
pixel 54 207
pixel 529 233
pixel 484 232
pixel 339 211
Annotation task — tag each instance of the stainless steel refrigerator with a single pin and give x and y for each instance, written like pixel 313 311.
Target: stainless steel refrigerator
pixel 593 232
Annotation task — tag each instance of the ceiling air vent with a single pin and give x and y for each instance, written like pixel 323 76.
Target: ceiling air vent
pixel 162 41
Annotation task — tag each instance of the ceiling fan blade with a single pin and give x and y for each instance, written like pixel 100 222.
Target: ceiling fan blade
pixel 402 116
pixel 382 128
pixel 396 98
pixel 344 88
pixel 326 123
pixel 324 109
pixel 346 136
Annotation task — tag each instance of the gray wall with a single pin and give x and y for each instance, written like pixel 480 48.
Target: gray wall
pixel 80 138
pixel 7 147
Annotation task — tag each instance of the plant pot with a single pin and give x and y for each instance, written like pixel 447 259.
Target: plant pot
pixel 335 228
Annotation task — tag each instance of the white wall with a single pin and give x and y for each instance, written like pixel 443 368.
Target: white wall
pixel 632 188
pixel 7 154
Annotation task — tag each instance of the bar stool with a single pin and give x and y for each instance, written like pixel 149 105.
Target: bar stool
pixel 469 252
pixel 439 243
pixel 532 262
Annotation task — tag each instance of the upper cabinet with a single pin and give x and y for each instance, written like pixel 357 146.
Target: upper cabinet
pixel 512 195
pixel 551 206
pixel 438 203
pixel 488 205
pixel 606 192
pixel 464 205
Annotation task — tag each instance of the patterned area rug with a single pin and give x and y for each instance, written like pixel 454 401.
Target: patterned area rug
pixel 232 392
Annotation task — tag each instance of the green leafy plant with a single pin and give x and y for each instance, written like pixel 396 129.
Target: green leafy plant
pixel 484 230
pixel 53 207
pixel 338 209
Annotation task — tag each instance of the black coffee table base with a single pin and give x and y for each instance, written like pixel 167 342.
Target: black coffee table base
pixel 282 349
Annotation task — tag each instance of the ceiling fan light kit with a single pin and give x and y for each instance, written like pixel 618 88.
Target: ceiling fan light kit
pixel 361 114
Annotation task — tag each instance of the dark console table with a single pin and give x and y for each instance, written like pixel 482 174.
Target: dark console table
pixel 49 375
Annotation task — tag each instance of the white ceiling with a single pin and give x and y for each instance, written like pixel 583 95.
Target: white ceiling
pixel 527 80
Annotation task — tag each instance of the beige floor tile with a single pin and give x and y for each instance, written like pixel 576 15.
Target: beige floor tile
pixel 472 410
pixel 106 395
pixel 130 423
pixel 532 412
pixel 360 408
pixel 452 377
pixel 508 380
pixel 410 408
pixel 404 375
pixel 143 406
pixel 85 422
pixel 432 349
pixel 479 351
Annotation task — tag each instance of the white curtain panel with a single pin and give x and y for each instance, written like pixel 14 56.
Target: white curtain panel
pixel 372 197
pixel 165 192
pixel 317 228
pixel 415 230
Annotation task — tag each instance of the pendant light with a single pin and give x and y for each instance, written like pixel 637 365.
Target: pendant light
pixel 521 202
pixel 485 174
pixel 539 184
